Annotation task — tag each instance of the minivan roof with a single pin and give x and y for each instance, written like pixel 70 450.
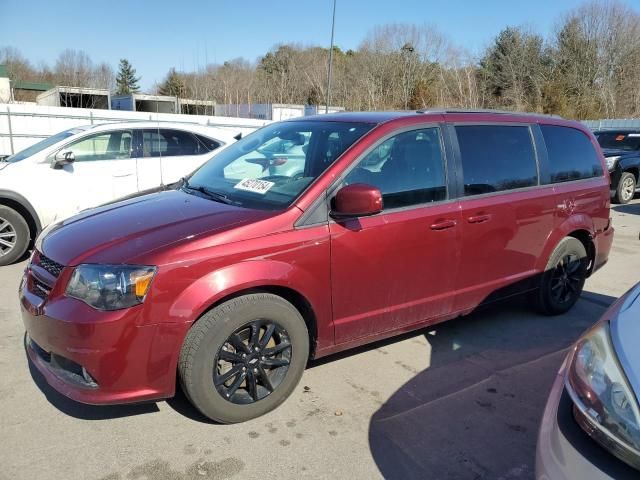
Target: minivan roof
pixel 386 116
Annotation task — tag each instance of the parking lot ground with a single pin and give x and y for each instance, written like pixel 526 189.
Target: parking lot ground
pixel 461 400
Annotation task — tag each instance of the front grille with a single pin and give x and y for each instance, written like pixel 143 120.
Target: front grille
pixel 54 268
pixel 40 289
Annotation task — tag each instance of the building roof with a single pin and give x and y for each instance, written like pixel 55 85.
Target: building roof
pixel 3 71
pixel 37 86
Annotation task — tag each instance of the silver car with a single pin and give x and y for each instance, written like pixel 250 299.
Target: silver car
pixel 591 424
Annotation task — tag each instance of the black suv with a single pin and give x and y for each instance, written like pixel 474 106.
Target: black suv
pixel 621 148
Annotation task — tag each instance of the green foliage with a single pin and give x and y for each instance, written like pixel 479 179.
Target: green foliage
pixel 514 70
pixel 126 80
pixel 173 85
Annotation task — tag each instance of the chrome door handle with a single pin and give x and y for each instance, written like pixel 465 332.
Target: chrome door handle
pixel 479 218
pixel 443 225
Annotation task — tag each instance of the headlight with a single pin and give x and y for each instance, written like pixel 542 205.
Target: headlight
pixel 611 161
pixel 110 287
pixel 604 403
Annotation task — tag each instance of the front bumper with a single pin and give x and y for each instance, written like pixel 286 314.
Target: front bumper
pixel 565 451
pixel 124 360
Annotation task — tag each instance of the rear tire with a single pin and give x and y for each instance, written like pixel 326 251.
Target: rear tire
pixel 626 188
pixel 14 235
pixel 563 279
pixel 244 357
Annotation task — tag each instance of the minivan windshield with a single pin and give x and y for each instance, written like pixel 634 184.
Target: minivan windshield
pixel 269 168
pixel 619 140
pixel 41 145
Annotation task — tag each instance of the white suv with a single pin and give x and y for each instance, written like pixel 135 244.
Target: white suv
pixel 87 166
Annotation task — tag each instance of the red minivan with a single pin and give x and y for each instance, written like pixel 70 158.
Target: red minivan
pixel 308 237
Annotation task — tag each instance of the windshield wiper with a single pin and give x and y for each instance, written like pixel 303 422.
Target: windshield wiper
pixel 218 197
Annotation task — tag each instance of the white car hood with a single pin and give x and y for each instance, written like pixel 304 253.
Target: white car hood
pixel 10 173
pixel 625 333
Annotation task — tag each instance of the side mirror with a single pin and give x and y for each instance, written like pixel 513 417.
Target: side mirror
pixel 63 158
pixel 357 200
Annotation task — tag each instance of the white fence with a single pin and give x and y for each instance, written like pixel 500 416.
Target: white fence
pixel 22 125
pixel 612 123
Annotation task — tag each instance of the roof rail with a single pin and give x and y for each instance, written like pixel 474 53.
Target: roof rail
pixel 484 110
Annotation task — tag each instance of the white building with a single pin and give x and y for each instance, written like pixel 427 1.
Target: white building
pixel 78 97
pixel 270 111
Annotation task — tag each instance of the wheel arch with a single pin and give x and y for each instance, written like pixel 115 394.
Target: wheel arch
pixel 586 239
pixel 263 276
pixel 23 207
pixel 577 226
pixel 635 171
pixel 294 297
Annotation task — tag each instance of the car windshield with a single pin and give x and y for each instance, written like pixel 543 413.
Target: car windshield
pixel 41 145
pixel 269 168
pixel 619 140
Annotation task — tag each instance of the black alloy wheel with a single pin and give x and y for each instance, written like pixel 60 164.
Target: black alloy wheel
pixel 244 357
pixel 567 279
pixel 252 363
pixel 560 286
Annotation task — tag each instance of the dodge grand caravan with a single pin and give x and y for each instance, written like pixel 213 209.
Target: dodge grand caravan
pixel 233 279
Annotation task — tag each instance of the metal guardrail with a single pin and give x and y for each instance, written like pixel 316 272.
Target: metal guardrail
pixel 91 118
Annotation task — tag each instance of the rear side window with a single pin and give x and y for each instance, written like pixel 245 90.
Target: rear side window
pixel 169 143
pixel 208 143
pixel 496 158
pixel 571 154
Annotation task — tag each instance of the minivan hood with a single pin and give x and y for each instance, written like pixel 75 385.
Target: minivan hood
pixel 625 332
pixel 117 232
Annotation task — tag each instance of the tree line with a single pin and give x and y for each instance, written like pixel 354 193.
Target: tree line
pixel 587 67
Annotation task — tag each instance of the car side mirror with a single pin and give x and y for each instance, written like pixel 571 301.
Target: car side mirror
pixel 357 200
pixel 63 158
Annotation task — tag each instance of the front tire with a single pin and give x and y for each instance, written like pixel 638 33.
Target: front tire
pixel 626 188
pixel 14 235
pixel 563 279
pixel 243 358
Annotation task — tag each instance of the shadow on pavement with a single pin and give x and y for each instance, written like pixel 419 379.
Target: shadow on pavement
pixel 630 208
pixel 474 412
pixel 181 404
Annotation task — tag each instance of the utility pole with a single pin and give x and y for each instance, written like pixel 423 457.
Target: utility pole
pixel 333 24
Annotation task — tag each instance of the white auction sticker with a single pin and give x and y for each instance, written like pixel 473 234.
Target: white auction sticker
pixel 254 185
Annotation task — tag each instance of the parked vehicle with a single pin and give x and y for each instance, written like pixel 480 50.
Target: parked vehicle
pixel 88 166
pixel 622 152
pixel 234 279
pixel 591 424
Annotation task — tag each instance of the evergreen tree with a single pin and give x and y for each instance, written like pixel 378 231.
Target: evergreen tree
pixel 126 81
pixel 173 85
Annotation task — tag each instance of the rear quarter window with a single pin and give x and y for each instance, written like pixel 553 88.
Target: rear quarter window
pixel 571 154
